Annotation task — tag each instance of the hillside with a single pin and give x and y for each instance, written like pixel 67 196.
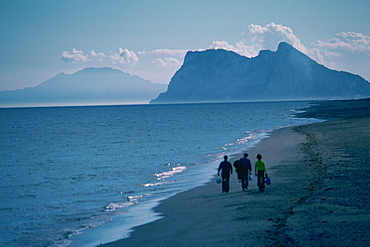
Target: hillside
pixel 287 74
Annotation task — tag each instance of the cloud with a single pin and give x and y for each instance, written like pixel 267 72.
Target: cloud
pixel 344 43
pixel 348 51
pixel 158 65
pixel 269 36
pixel 124 56
pixel 167 62
pixel 79 56
pixel 262 38
pixel 98 55
pixel 239 48
pixel 176 53
pixel 74 56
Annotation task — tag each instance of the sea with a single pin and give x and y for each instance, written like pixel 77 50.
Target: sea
pixel 86 175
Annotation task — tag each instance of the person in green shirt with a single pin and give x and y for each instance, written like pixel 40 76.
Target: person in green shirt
pixel 260 170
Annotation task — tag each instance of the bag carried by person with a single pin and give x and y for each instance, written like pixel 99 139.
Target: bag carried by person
pixel 268 180
pixel 218 180
pixel 239 169
pixel 250 177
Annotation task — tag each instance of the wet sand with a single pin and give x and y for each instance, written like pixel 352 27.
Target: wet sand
pixel 319 196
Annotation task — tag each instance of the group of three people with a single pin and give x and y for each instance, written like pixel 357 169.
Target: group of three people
pixel 243 168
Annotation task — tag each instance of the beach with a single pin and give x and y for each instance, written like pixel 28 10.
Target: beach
pixel 319 194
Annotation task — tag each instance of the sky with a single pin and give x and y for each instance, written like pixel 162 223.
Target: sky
pixel 42 38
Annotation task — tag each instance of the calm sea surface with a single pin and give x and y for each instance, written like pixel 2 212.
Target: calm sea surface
pixel 80 176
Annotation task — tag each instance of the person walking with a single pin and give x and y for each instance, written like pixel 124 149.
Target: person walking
pixel 239 169
pixel 247 170
pixel 260 171
pixel 226 169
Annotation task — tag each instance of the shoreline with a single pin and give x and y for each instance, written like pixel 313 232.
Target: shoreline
pixel 205 207
pixel 300 207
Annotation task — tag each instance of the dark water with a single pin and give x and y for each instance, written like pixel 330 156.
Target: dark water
pixel 67 172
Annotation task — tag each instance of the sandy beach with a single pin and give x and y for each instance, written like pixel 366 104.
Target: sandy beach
pixel 319 196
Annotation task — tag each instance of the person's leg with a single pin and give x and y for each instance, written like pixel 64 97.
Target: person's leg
pixel 227 188
pixel 243 183
pixel 260 179
pixel 223 184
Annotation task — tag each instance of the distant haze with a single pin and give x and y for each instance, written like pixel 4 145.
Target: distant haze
pixel 89 86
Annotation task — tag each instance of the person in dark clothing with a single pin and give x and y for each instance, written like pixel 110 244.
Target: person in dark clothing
pixel 239 169
pixel 247 170
pixel 226 169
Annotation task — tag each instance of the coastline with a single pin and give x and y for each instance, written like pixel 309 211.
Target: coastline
pixel 318 195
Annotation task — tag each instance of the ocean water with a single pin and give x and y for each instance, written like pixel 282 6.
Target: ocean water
pixel 81 176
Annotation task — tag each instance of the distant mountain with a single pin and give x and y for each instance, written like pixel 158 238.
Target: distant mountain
pixel 88 86
pixel 287 74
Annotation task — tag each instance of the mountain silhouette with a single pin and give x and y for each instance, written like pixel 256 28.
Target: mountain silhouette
pixel 88 86
pixel 287 74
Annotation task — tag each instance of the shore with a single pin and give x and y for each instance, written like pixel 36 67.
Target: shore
pixel 319 195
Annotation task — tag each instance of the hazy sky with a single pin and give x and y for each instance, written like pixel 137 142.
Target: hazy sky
pixel 39 39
